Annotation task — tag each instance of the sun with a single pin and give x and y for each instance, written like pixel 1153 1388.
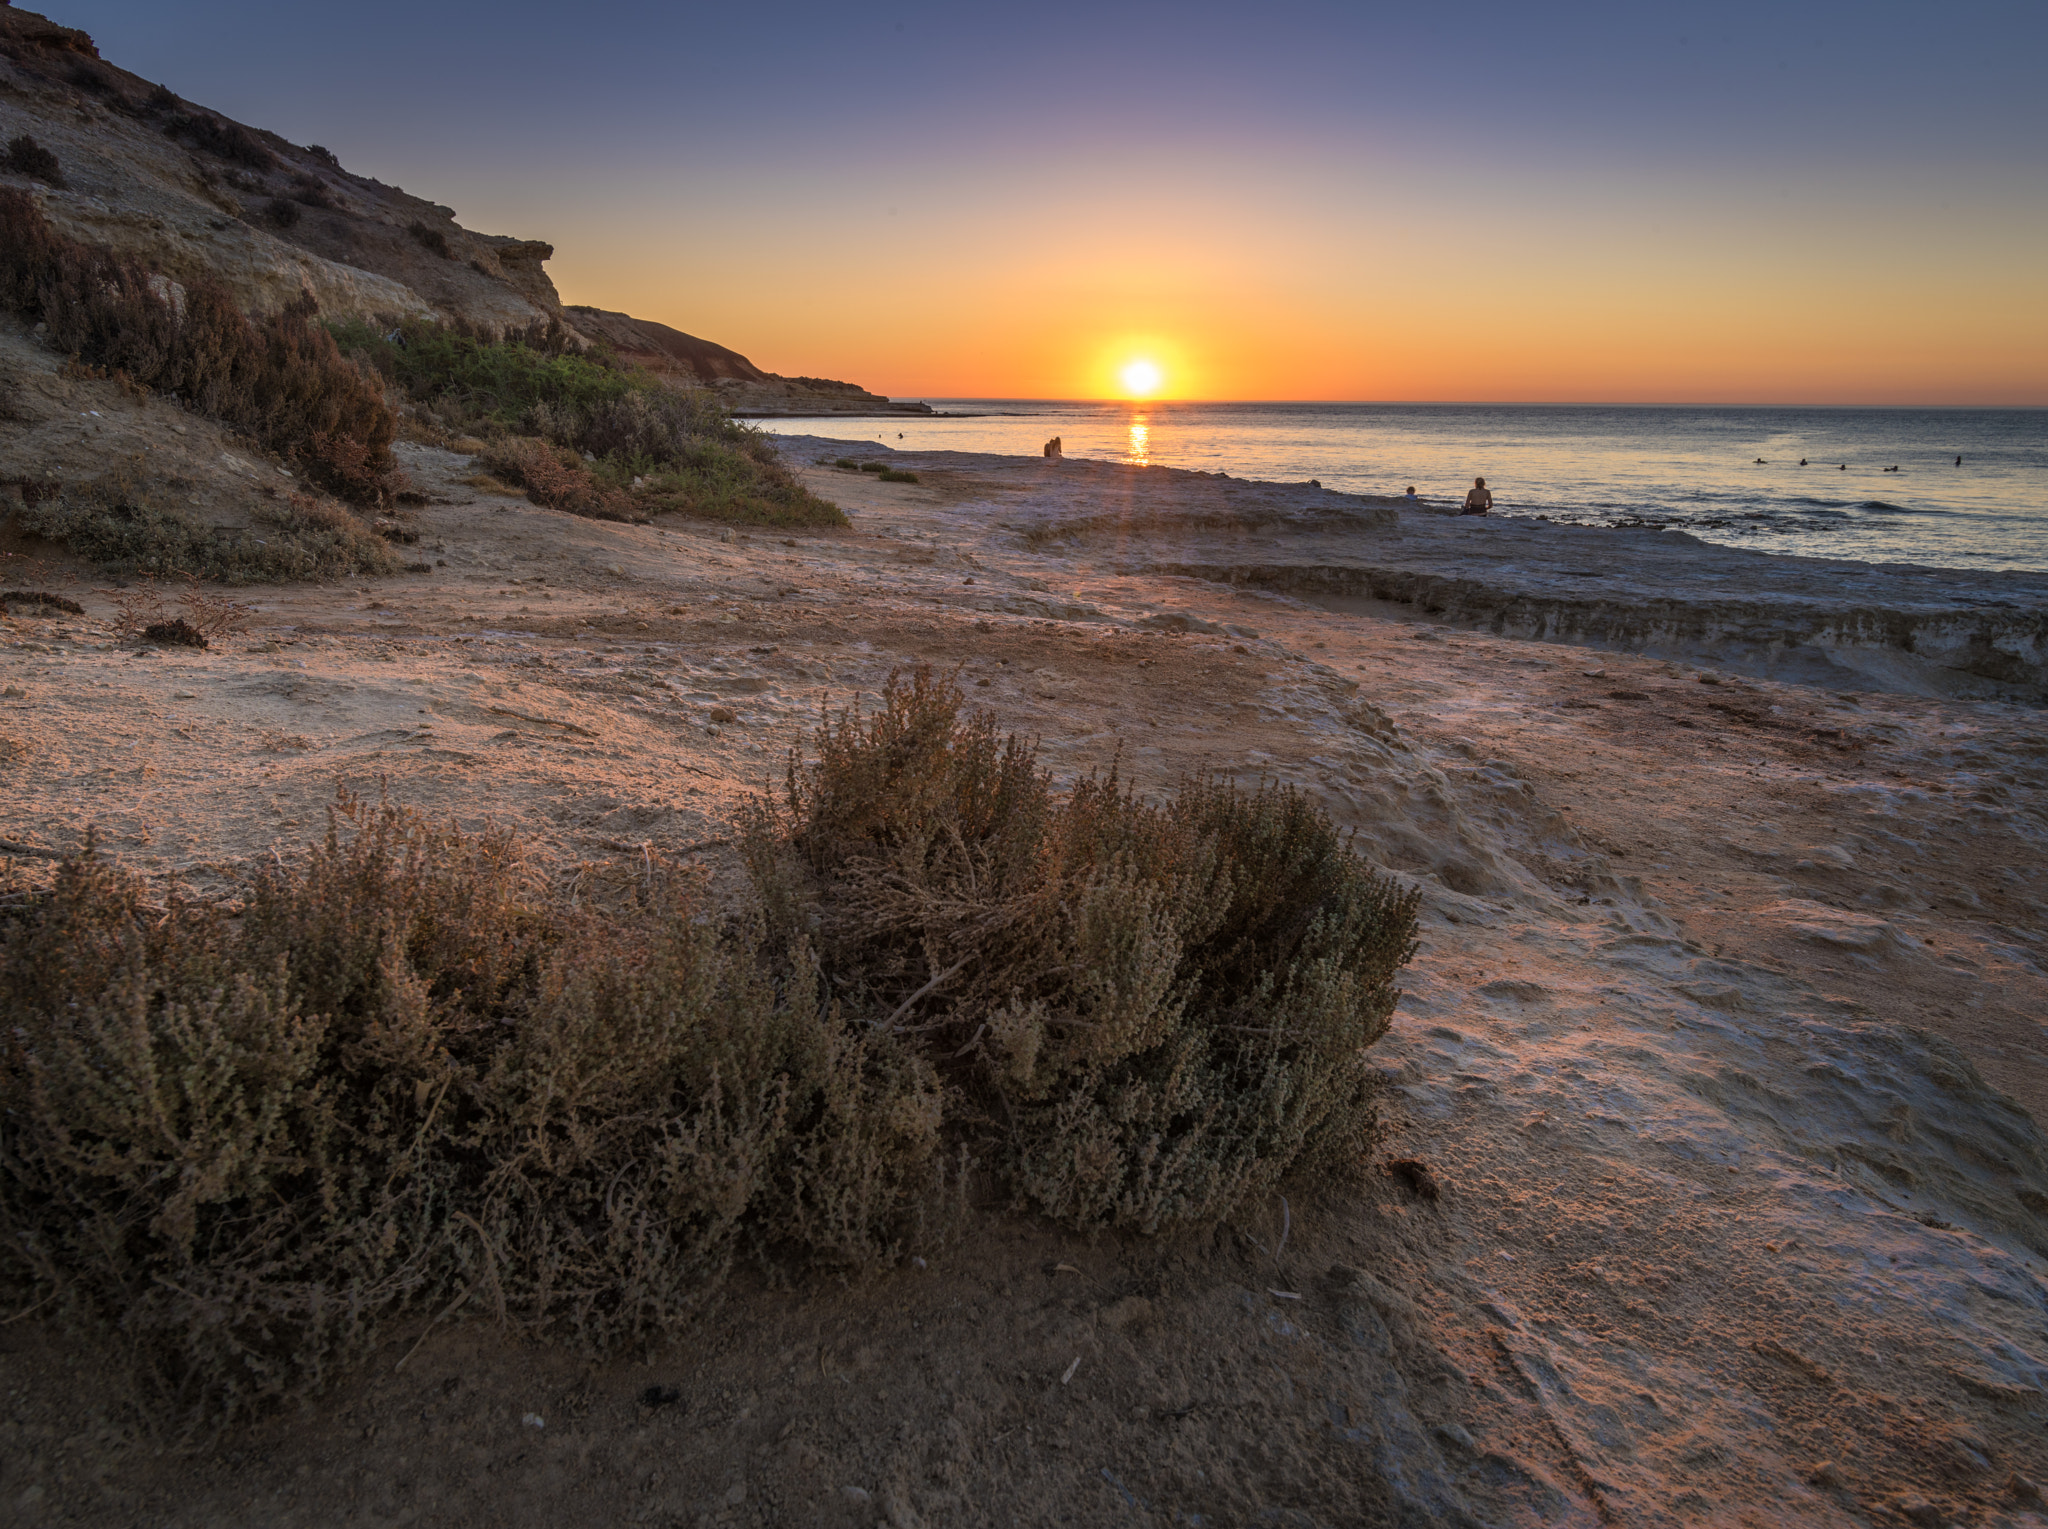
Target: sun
pixel 1141 378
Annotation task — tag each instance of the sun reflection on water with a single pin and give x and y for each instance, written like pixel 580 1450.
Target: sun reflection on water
pixel 1139 452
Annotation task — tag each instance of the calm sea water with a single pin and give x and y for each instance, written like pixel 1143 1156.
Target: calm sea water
pixel 1693 469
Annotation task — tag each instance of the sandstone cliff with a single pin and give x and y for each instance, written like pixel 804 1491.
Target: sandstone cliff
pixel 145 172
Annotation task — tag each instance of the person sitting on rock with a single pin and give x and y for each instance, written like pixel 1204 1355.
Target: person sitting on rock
pixel 1409 497
pixel 1479 500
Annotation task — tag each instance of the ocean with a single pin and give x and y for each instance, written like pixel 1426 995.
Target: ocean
pixel 1692 469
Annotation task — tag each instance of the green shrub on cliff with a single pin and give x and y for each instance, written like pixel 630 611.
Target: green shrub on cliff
pixel 689 455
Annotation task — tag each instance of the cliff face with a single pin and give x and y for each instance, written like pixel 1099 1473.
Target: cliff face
pixel 195 193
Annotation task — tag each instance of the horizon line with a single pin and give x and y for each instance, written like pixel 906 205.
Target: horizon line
pixel 1466 403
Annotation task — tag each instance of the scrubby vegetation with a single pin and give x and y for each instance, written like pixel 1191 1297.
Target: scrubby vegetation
pixel 583 433
pixel 281 377
pixel 131 522
pixel 219 137
pixel 432 240
pixel 27 157
pixel 405 1079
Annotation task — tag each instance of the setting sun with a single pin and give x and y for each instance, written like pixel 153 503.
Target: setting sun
pixel 1141 378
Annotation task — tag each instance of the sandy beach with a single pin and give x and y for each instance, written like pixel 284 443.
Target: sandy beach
pixel 1723 1047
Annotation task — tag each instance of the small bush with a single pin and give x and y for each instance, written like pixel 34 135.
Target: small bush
pixel 555 479
pixel 1158 1012
pixel 311 191
pixel 220 138
pixel 90 74
pixel 27 157
pixel 430 239
pixel 846 462
pixel 281 377
pixel 895 476
pixel 874 467
pixel 141 614
pixel 161 99
pixel 281 214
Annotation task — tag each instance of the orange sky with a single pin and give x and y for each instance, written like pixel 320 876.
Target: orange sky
pixel 1840 201
pixel 1608 291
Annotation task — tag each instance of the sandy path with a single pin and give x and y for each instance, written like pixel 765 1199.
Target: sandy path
pixel 1721 1239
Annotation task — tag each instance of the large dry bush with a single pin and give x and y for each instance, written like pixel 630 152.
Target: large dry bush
pixel 1157 1011
pixel 280 377
pixel 407 1079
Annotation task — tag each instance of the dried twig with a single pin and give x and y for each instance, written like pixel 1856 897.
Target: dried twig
pixel 903 1008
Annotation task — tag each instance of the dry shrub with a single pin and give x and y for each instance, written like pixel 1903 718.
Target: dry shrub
pixel 200 616
pixel 221 138
pixel 1158 1011
pixel 408 1079
pixel 554 478
pixel 27 157
pixel 433 240
pixel 280 378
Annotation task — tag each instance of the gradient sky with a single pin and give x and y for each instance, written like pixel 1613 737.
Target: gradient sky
pixel 1822 202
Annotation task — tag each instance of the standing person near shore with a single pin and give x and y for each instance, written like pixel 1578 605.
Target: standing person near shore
pixel 1479 500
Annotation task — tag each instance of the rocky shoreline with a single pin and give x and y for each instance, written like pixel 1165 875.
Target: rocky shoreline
pixel 1896 627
